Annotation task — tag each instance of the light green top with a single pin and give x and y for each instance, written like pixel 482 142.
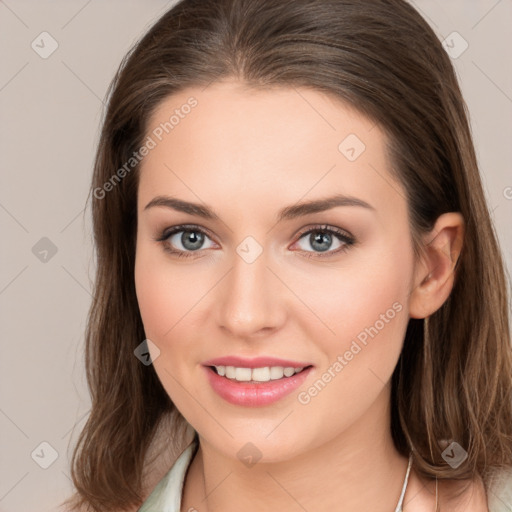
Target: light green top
pixel 166 496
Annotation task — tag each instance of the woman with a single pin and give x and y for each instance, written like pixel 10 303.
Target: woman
pixel 300 301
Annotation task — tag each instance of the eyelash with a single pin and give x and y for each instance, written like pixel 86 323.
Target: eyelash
pixel 347 240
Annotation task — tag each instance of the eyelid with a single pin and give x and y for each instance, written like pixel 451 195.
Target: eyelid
pixel 190 227
pixel 325 227
pixel 344 236
pixel 167 232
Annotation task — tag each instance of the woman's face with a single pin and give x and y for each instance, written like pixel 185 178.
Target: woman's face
pixel 255 280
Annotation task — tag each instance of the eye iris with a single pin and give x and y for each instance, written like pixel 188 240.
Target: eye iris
pixel 316 239
pixel 192 240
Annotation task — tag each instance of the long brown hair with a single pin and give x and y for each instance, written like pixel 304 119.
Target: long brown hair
pixel 453 380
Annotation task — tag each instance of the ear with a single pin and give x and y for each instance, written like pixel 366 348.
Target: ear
pixel 434 274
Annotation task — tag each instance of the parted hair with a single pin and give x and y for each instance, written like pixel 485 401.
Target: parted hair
pixel 453 380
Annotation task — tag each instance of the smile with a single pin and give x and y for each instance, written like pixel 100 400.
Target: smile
pixel 263 374
pixel 255 387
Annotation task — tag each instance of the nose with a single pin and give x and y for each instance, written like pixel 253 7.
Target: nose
pixel 249 300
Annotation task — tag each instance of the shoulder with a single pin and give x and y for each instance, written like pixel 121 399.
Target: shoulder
pixel 74 507
pixel 452 495
pixel 499 490
pixel 166 495
pixel 473 497
pixel 163 452
pixel 161 462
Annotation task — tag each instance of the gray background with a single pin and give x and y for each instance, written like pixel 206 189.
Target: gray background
pixel 50 115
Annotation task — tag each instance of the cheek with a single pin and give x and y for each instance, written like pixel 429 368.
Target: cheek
pixel 361 303
pixel 171 299
pixel 166 301
pixel 162 293
pixel 154 299
pixel 365 305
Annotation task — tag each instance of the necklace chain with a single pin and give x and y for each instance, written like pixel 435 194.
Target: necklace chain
pixel 404 487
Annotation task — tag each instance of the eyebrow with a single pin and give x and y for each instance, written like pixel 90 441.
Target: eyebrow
pixel 287 213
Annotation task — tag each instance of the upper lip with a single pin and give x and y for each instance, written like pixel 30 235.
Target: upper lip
pixel 257 362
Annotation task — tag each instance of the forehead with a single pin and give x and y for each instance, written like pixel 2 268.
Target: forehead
pixel 232 141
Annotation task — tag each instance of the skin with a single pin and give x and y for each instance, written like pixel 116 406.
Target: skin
pixel 247 154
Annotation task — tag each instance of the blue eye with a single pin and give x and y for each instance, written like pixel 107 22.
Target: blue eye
pixel 191 239
pixel 321 239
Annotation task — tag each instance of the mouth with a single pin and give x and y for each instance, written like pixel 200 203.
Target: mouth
pixel 258 386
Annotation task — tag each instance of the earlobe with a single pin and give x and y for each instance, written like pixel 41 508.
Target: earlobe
pixel 435 273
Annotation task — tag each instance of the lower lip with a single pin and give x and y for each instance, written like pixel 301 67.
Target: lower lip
pixel 255 395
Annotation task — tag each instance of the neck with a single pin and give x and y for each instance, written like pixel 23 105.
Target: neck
pixel 358 468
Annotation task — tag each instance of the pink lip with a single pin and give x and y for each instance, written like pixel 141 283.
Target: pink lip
pixel 255 394
pixel 257 362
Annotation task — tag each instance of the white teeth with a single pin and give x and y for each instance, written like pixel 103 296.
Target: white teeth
pixel 261 374
pixel 243 374
pixel 276 372
pixel 264 374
